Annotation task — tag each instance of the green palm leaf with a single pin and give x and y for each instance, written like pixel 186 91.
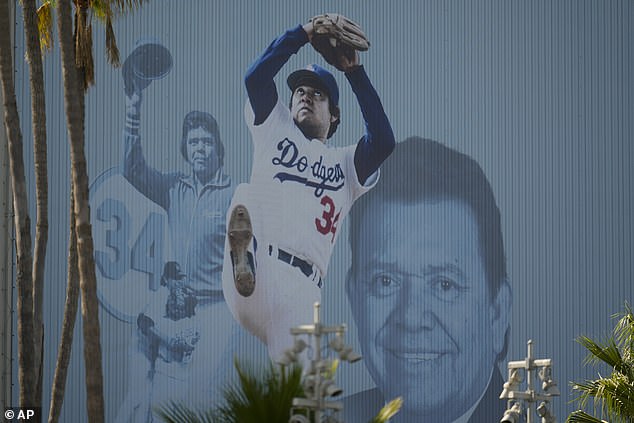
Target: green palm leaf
pixel 174 412
pixel 607 352
pixel 388 411
pixel 261 396
pixel 257 396
pixel 582 417
pixel 613 396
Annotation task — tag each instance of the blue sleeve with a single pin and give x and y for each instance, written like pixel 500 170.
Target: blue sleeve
pixel 259 78
pixel 378 142
pixel 150 182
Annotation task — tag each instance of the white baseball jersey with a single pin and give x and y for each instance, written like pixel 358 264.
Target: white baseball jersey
pixel 305 187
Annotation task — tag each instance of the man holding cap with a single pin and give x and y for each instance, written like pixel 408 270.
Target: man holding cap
pixel 283 224
pixel 176 354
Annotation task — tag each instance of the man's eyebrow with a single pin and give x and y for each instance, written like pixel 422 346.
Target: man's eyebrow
pixel 201 139
pixel 430 269
pixel 445 267
pixel 374 262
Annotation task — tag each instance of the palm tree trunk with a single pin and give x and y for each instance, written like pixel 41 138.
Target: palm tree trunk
pixel 68 325
pixel 26 348
pixel 38 116
pixel 85 251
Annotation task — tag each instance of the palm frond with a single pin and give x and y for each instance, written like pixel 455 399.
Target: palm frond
pixel 388 411
pixel 45 26
pixel 624 331
pixel 128 5
pixel 607 352
pixel 98 9
pixel 106 11
pixel 174 412
pixel 112 51
pixel 104 8
pixel 261 396
pixel 613 396
pixel 582 417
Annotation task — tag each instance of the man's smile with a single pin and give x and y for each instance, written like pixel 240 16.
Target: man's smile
pixel 417 356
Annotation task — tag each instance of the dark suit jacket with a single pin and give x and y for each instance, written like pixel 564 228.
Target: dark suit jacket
pixel 363 406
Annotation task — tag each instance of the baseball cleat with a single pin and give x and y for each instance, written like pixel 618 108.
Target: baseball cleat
pixel 240 235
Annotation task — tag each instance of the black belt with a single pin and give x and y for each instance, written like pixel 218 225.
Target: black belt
pixel 305 267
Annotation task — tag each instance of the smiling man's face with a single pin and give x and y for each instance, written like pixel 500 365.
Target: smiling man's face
pixel 427 325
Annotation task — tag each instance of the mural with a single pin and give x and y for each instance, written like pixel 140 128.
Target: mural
pixel 503 214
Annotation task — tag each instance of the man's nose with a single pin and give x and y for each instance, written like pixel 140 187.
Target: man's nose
pixel 415 310
pixel 306 97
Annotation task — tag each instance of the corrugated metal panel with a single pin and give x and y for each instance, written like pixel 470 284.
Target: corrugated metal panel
pixel 538 93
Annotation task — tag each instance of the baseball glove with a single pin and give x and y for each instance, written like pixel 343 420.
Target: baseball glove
pixel 335 36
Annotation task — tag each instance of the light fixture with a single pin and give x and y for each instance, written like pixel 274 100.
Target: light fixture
pixel 298 418
pixel 515 378
pixel 545 414
pixel 521 402
pixel 548 384
pixel 319 377
pixel 291 355
pixel 513 414
pixel 344 351
pixel 309 384
pixel 329 389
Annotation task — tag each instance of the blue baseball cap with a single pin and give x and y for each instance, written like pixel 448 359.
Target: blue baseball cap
pixel 315 76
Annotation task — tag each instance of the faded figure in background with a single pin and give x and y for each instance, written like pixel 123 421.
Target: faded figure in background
pixel 184 340
pixel 428 289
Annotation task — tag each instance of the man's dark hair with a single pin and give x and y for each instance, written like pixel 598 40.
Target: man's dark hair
pixel 196 119
pixel 422 170
pixel 336 112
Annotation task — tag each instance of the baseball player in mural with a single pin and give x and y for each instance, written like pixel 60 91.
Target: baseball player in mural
pixel 428 289
pixel 184 338
pixel 283 224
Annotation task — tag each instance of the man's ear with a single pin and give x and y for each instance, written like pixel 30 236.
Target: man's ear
pixel 349 282
pixel 335 115
pixel 500 315
pixel 352 292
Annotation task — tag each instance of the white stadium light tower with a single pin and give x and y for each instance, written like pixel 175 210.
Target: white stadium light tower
pixel 521 402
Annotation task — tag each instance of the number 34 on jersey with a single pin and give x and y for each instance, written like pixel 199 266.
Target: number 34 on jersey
pixel 327 223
